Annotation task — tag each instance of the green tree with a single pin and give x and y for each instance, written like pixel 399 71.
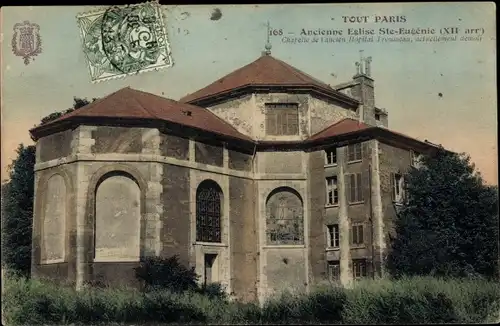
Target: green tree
pixel 17 214
pixel 448 225
pixel 17 202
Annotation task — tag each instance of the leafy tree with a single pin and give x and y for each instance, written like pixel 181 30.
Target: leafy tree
pixel 17 203
pixel 448 225
pixel 17 211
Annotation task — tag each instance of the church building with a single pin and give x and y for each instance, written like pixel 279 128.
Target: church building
pixel 267 179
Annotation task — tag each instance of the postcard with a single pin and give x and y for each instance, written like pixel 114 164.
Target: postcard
pixel 266 147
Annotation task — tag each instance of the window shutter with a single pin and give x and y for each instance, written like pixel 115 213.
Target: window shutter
pixel 359 187
pixel 361 235
pixel 359 151
pixel 271 123
pixel 393 194
pixel 350 153
pixel 352 188
pixel 293 123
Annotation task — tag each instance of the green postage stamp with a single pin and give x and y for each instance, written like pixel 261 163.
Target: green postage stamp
pixel 124 40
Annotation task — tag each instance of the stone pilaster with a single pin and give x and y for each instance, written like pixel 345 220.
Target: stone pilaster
pixel 82 144
pixel 154 207
pixel 377 215
pixel 344 224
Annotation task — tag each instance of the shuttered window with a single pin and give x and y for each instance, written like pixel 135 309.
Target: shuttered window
pixel 354 186
pixel 354 152
pixel 282 119
pixel 359 268
pixel 357 235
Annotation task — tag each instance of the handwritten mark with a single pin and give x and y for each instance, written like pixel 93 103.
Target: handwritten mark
pixel 216 14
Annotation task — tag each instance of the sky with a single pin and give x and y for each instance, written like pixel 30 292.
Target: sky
pixel 444 92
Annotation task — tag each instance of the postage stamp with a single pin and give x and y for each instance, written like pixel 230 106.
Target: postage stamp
pixel 124 40
pixel 26 41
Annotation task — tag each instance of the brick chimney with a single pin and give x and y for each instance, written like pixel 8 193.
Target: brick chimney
pixel 363 90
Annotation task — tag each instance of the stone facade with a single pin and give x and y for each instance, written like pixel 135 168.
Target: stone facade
pixel 105 196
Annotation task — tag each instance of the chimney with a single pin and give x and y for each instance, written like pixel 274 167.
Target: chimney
pixel 363 90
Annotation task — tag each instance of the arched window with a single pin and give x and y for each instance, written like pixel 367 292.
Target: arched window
pixel 117 218
pixel 208 212
pixel 285 217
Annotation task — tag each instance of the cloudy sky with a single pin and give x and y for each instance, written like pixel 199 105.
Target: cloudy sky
pixel 444 92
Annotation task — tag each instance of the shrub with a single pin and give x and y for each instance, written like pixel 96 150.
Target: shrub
pixel 213 290
pixel 168 273
pixel 409 300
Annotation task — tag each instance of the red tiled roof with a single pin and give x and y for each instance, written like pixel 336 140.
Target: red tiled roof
pixel 344 126
pixel 265 71
pixel 128 103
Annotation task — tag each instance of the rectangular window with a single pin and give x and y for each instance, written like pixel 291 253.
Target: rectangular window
pixel 332 192
pixel 331 156
pixel 397 187
pixel 359 268
pixel 334 271
pixel 357 234
pixel 354 152
pixel 333 236
pixel 354 183
pixel 282 119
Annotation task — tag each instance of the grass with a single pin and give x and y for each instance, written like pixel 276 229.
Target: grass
pixel 410 300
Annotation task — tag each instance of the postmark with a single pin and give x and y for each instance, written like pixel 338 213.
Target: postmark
pixel 124 40
pixel 26 41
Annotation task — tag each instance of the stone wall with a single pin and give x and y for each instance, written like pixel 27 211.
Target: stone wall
pixel 392 160
pixel 280 162
pixel 210 154
pixel 174 146
pixel 54 146
pixel 63 241
pixel 175 235
pixel 238 112
pixel 240 161
pixel 244 238
pixel 318 220
pixel 324 114
pixel 117 139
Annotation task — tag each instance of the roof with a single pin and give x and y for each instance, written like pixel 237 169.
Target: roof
pixel 265 71
pixel 345 126
pixel 128 103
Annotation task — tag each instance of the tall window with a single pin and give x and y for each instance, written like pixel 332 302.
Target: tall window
pixel 285 218
pixel 332 192
pixel 282 119
pixel 208 212
pixel 354 152
pixel 333 236
pixel 397 187
pixel 355 188
pixel 334 271
pixel 331 156
pixel 359 268
pixel 357 234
